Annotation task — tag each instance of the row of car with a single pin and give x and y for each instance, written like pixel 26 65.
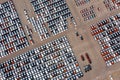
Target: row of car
pixel 12 36
pixel 81 2
pixel 88 13
pixel 53 60
pixel 29 34
pixel 107 32
pixel 112 4
pixel 27 16
pixel 51 17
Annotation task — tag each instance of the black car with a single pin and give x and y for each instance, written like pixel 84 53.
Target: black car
pixel 87 68
pixel 77 34
pixel 81 37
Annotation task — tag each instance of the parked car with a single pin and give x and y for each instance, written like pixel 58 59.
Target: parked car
pixel 44 62
pixel 83 58
pixel 87 56
pixel 77 34
pixel 81 37
pixel 87 68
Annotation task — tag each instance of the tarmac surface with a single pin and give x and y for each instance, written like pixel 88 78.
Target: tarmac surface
pixel 99 69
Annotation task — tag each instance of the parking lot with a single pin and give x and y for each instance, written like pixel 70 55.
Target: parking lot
pixel 87 45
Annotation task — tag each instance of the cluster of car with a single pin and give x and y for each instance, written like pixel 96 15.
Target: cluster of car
pixel 88 13
pixel 54 60
pixel 107 33
pixel 81 2
pixel 112 4
pixel 78 35
pixel 51 17
pixel 87 67
pixel 12 36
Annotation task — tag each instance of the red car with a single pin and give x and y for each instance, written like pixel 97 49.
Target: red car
pixel 87 56
pixel 82 57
